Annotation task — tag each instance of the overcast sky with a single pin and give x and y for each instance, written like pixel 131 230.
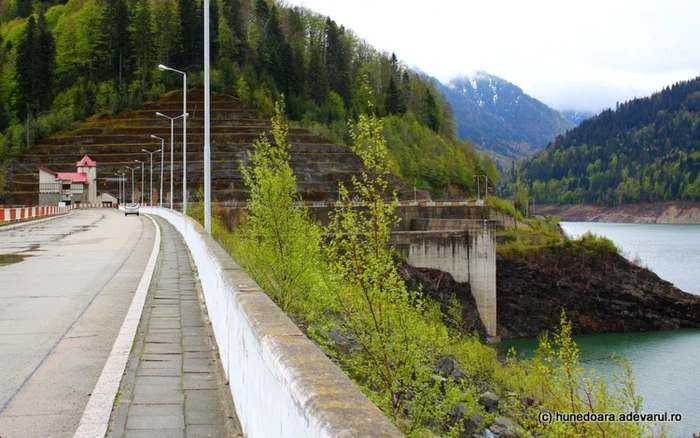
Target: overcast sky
pixel 581 55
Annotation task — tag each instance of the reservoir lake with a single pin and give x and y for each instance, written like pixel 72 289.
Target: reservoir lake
pixel 666 364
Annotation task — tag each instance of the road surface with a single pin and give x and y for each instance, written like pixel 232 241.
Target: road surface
pixel 65 287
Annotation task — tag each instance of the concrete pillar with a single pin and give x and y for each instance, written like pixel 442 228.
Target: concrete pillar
pixel 467 250
pixel 482 272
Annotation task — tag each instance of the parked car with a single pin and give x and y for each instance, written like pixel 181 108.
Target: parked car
pixel 131 209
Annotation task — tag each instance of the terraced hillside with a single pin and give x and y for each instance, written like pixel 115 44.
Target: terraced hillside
pixel 114 142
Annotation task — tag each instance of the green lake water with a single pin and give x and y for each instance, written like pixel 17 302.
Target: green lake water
pixel 666 364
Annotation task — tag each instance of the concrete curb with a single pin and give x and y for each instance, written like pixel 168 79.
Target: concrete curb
pixel 95 419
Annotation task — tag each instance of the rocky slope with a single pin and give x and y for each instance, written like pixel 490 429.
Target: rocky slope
pixel 665 213
pixel 601 293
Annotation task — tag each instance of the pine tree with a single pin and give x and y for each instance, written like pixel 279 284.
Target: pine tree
pixel 117 44
pixel 272 48
pixel 191 34
pixel 24 71
pixel 24 8
pixel 317 78
pixel 392 98
pixel 142 41
pixel 45 48
pixel 337 61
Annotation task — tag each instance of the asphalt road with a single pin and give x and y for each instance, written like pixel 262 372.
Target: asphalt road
pixel 65 287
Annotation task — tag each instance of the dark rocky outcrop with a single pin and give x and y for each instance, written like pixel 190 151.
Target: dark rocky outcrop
pixel 441 286
pixel 601 293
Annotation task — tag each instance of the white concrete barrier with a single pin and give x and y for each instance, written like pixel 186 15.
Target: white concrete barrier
pixel 281 383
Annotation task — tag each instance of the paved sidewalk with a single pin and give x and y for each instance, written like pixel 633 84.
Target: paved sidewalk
pixel 174 385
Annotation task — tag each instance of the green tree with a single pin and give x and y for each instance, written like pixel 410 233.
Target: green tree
pixel 398 332
pixel 142 41
pixel 317 77
pixel 117 44
pixel 280 245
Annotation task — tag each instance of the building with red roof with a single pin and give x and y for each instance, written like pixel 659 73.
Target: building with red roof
pixel 69 187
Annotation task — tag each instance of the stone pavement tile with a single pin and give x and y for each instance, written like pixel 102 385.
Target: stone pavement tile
pixel 193 340
pixel 158 398
pixel 159 357
pixel 159 372
pixel 202 400
pixel 156 422
pixel 162 364
pixel 153 348
pixel 137 410
pixel 205 417
pixel 196 354
pixel 166 323
pixel 199 381
pixel 164 338
pixel 208 430
pixel 198 366
pixel 155 433
pixel 163 381
pixel 196 348
pixel 194 331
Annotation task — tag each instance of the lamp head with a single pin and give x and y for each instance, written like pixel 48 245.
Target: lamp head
pixel 161 115
pixel 161 67
pixel 153 136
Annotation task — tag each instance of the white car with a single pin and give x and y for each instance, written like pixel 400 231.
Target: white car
pixel 131 209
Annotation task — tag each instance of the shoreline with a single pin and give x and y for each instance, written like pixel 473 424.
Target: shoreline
pixel 658 213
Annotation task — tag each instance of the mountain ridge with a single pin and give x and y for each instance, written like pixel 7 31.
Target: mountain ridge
pixel 498 116
pixel 646 150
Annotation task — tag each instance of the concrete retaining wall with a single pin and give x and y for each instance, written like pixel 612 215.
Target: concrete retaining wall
pixel 281 383
pixel 464 248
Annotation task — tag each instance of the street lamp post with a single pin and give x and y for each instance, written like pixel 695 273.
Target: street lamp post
pixel 172 121
pixel 162 154
pixel 119 190
pixel 162 67
pixel 151 169
pixel 142 178
pixel 132 181
pixel 207 118
pixel 478 189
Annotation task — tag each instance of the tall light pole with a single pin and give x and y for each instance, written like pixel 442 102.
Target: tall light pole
pixel 132 181
pixel 172 121
pixel 478 188
pixel 151 169
pixel 142 178
pixel 162 149
pixel 162 67
pixel 207 148
pixel 119 190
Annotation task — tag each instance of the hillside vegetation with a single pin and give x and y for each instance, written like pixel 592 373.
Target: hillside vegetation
pixel 341 283
pixel 646 150
pixel 62 61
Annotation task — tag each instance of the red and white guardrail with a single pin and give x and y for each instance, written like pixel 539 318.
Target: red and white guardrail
pixel 11 214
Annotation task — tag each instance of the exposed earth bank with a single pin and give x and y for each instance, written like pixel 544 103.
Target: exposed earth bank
pixel 601 293
pixel 662 213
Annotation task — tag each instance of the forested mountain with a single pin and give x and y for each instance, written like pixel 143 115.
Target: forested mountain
pixel 646 150
pixel 576 117
pixel 62 61
pixel 499 117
